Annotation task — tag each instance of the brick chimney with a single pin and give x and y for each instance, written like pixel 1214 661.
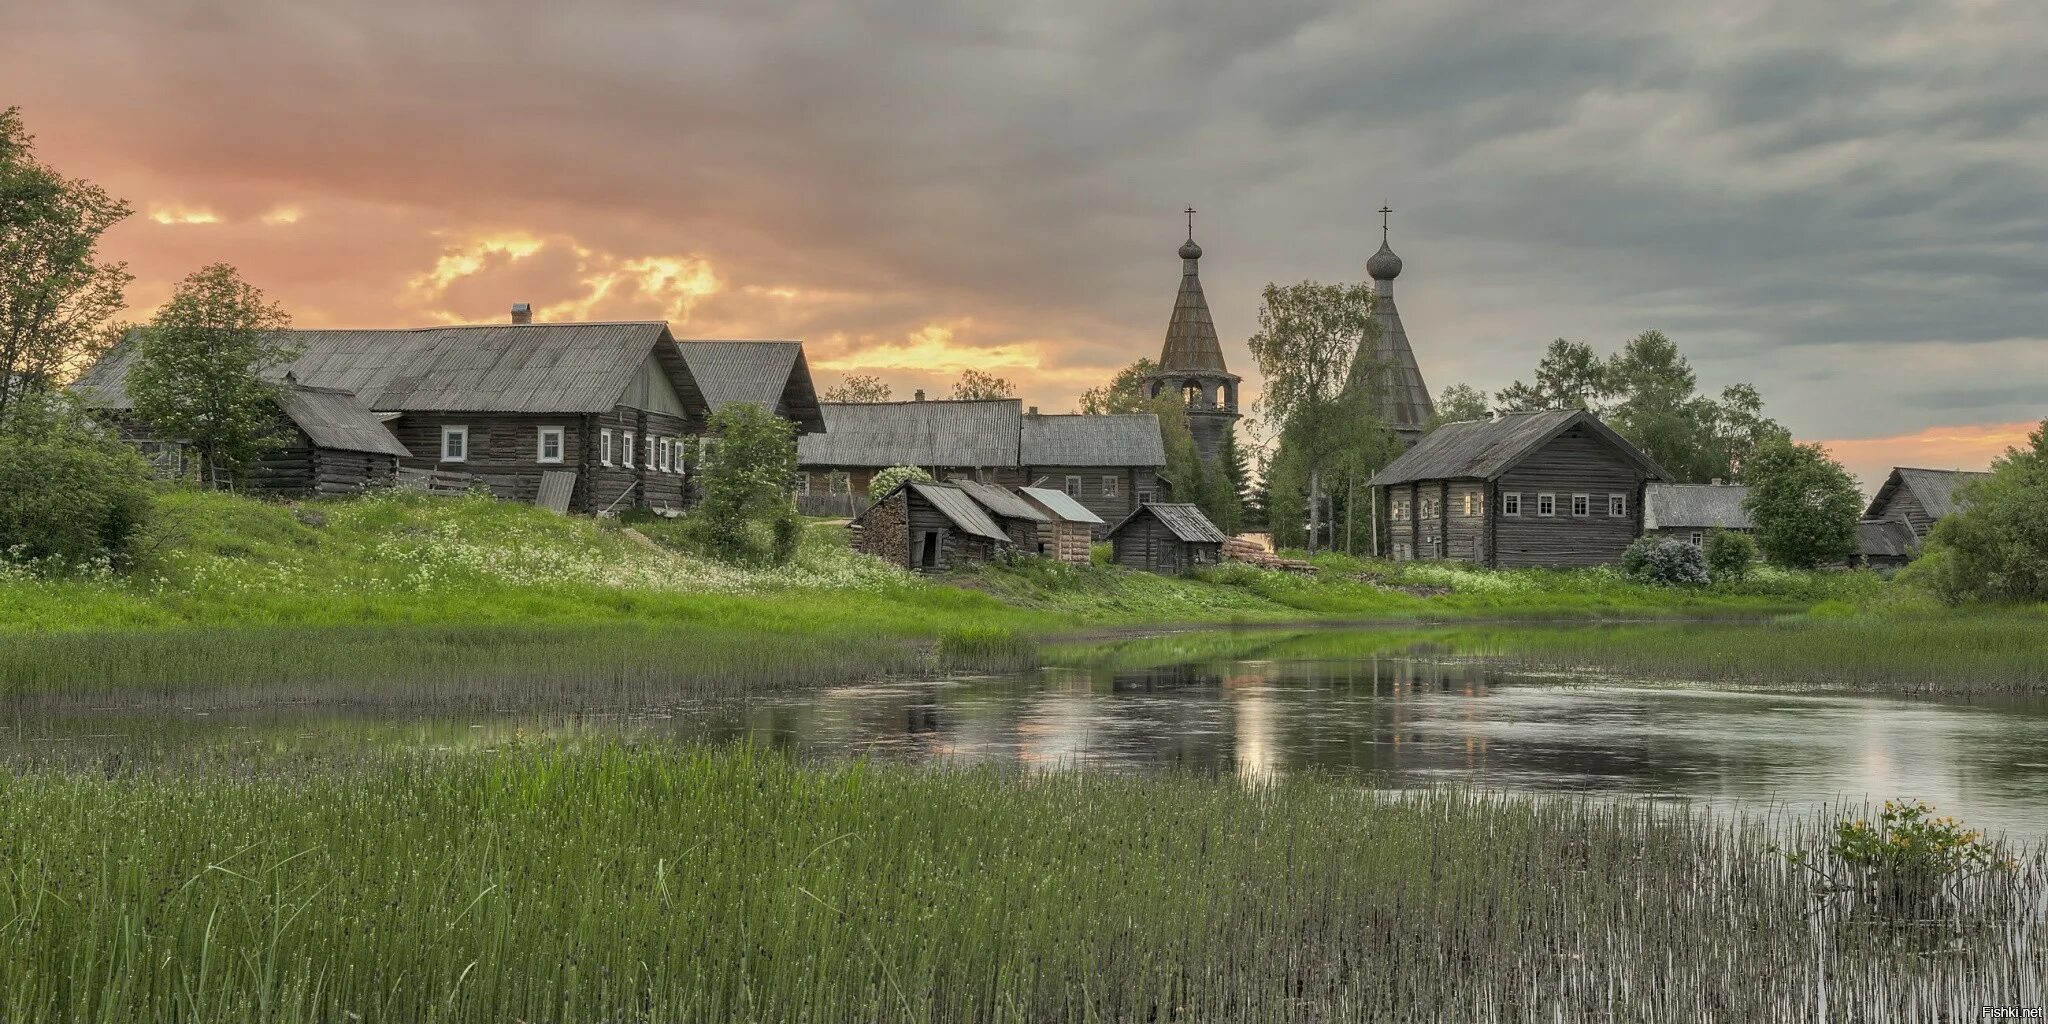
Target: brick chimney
pixel 522 312
pixel 918 396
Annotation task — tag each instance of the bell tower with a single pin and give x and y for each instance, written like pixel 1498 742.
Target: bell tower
pixel 1191 362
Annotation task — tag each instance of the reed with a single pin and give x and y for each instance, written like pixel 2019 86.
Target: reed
pixel 585 883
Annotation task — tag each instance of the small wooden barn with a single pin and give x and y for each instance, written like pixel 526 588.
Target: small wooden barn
pixel 1918 498
pixel 1019 520
pixel 1693 512
pixel 334 446
pixel 1884 544
pixel 928 527
pixel 1068 533
pixel 1166 538
pixel 1554 488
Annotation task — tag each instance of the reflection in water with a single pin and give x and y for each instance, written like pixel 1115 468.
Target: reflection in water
pixel 1404 718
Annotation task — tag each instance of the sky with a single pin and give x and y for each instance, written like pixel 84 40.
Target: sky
pixel 1843 204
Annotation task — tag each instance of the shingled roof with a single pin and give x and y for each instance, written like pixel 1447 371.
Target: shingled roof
pixel 990 433
pixel 1059 503
pixel 771 374
pixel 1484 449
pixel 1935 489
pixel 334 419
pixel 1182 520
pixel 1124 439
pixel 557 367
pixel 999 501
pixel 1191 343
pixel 1694 507
pixel 1387 367
pixel 957 507
pixel 1885 538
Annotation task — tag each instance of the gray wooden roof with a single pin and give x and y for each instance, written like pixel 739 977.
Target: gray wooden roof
pixel 999 501
pixel 1885 538
pixel 1191 344
pixel 1060 504
pixel 1484 449
pixel 1184 521
pixel 334 419
pixel 1935 489
pixel 557 367
pixel 1694 507
pixel 771 374
pixel 1125 439
pixel 956 506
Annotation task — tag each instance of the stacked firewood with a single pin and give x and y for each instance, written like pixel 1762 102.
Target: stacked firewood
pixel 1239 550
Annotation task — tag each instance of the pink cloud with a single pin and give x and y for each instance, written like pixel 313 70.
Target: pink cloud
pixel 1964 446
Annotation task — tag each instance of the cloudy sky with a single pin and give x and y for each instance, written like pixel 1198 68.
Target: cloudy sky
pixel 1844 203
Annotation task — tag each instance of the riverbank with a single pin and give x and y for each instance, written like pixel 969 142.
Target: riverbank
pixel 605 882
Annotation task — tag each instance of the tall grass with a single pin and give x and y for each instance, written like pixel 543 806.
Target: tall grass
pixel 617 884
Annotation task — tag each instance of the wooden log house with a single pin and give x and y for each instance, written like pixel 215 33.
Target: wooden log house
pixel 1693 512
pixel 1555 488
pixel 1166 538
pixel 928 527
pixel 1068 533
pixel 1918 498
pixel 1019 519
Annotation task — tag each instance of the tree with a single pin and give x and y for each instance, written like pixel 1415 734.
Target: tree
pixel 1729 554
pixel 1125 392
pixel 1460 402
pixel 859 389
pixel 1236 474
pixel 55 294
pixel 70 493
pixel 888 479
pixel 1994 547
pixel 746 516
pixel 1740 428
pixel 1802 504
pixel 1570 376
pixel 200 369
pixel 974 385
pixel 1307 335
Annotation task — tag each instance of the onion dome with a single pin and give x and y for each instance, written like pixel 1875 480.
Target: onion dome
pixel 1190 251
pixel 1384 265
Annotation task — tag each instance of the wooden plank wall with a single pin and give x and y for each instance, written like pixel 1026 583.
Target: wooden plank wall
pixel 1576 462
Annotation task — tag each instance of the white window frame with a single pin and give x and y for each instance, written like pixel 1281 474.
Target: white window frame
pixel 449 430
pixel 1074 487
pixel 604 447
pixel 800 485
pixel 1109 487
pixel 1399 512
pixel 540 445
pixel 1582 506
pixel 653 463
pixel 1546 505
pixel 1698 539
pixel 666 463
pixel 1617 505
pixel 1511 504
pixel 626 436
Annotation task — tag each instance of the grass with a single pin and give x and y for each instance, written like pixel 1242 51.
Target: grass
pixel 599 882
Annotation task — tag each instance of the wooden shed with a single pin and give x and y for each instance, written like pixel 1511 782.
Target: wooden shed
pixel 1068 533
pixel 928 527
pixel 1884 544
pixel 334 446
pixel 1019 519
pixel 1693 512
pixel 1166 538
pixel 1918 498
pixel 1555 488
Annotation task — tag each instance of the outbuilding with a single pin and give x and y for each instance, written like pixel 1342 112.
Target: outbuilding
pixel 1069 531
pixel 1693 512
pixel 1018 519
pixel 1885 544
pixel 1166 538
pixel 1919 498
pixel 928 527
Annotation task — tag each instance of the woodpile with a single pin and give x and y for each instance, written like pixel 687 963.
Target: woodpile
pixel 1250 553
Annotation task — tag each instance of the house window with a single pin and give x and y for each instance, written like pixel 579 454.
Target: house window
pixel 1698 538
pixel 1109 487
pixel 839 483
pixel 1429 508
pixel 1511 504
pixel 1073 487
pixel 1400 511
pixel 1546 504
pixel 667 460
pixel 1474 505
pixel 1144 497
pixel 1582 504
pixel 454 444
pixel 604 446
pixel 801 486
pixel 1617 505
pixel 653 460
pixel 549 448
pixel 627 437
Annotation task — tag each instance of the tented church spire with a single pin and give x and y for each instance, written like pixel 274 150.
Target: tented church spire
pixel 1388 366
pixel 1191 361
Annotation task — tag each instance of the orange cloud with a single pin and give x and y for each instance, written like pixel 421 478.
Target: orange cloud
pixel 932 349
pixel 1966 446
pixel 172 213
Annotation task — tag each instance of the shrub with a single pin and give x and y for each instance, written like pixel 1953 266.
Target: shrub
pixel 1995 546
pixel 746 517
pixel 887 480
pixel 1729 555
pixel 68 498
pixel 1904 862
pixel 1666 562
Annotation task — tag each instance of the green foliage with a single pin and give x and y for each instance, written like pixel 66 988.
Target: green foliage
pixel 1459 403
pixel 55 295
pixel 199 371
pixel 1803 505
pixel 70 496
pixel 887 480
pixel 1125 393
pixel 1994 547
pixel 746 516
pixel 976 385
pixel 1191 480
pixel 1905 862
pixel 1730 553
pixel 859 388
pixel 1666 562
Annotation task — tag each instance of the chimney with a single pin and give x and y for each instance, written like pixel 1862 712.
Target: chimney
pixel 918 396
pixel 1717 481
pixel 522 312
pixel 1034 410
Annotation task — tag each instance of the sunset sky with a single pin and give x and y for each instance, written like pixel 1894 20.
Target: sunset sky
pixel 1842 203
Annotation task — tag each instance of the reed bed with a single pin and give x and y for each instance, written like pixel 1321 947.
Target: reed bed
pixel 606 883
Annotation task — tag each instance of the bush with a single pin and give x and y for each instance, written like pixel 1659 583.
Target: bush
pixel 1803 504
pixel 67 501
pixel 1995 546
pixel 1666 562
pixel 1729 555
pixel 746 517
pixel 887 480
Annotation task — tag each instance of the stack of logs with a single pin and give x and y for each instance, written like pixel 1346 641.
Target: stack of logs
pixel 1239 550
